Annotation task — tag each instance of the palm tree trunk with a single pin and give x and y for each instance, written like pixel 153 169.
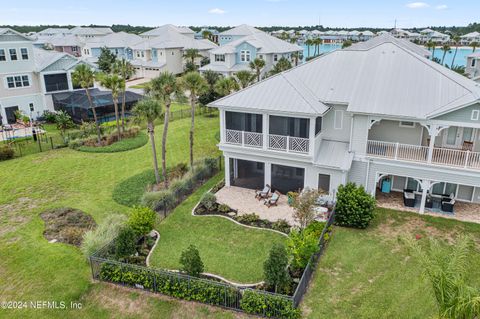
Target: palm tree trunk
pixel 115 105
pixel 444 54
pixel 164 143
pixel 123 110
pixel 151 132
pixel 454 56
pixel 433 52
pixel 258 75
pixel 308 50
pixel 87 91
pixel 192 126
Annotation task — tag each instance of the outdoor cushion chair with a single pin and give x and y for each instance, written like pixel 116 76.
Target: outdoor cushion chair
pixel 263 193
pixel 272 201
pixel 408 198
pixel 447 205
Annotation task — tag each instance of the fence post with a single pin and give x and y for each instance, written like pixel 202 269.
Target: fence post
pixel 51 142
pixel 40 145
pixel 19 149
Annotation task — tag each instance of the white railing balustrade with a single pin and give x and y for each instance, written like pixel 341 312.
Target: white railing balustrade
pixel 251 139
pixel 277 142
pixel 298 144
pixel 233 137
pixel 288 143
pixel 418 153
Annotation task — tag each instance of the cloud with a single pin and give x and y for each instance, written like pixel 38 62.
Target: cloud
pixel 216 11
pixel 441 7
pixel 417 5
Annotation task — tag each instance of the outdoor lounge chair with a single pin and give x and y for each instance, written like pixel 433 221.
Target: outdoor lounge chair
pixel 447 204
pixel 408 198
pixel 263 193
pixel 272 201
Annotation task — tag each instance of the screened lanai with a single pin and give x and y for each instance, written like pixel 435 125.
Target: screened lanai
pixel 77 105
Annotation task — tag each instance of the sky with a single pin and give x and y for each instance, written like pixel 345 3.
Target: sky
pixel 333 13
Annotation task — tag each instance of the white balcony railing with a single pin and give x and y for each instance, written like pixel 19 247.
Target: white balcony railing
pixel 417 153
pixel 275 142
pixel 244 138
pixel 288 143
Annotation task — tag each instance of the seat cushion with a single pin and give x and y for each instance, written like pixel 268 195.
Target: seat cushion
pixel 409 195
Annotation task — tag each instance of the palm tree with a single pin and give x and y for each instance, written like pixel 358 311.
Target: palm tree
pixel 456 41
pixel 84 77
pixel 431 45
pixel 446 271
pixel 474 45
pixel 191 54
pixel 257 65
pixel 211 77
pixel 196 84
pixel 317 42
pixel 116 84
pixel 445 49
pixel 308 43
pixel 244 78
pixel 225 86
pixel 162 88
pixel 149 110
pixel 126 70
pixel 298 55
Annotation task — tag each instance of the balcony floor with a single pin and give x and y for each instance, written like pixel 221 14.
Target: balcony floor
pixel 469 212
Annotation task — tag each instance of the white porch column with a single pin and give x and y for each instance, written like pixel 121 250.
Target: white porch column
pixel 222 127
pixel 433 131
pixel 69 81
pixel 268 173
pixel 311 135
pixel 227 170
pixel 265 130
pixel 425 188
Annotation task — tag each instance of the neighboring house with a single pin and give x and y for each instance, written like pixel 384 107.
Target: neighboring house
pixel 53 31
pixel 470 38
pixel 157 32
pixel 30 75
pixel 67 43
pixel 373 111
pixel 90 32
pixel 213 34
pixel 121 44
pixel 237 50
pixel 405 34
pixel 435 36
pixel 472 69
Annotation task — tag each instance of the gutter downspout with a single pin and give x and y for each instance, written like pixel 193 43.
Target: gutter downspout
pixel 368 173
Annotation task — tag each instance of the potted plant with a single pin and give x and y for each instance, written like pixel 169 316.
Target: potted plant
pixel 291 196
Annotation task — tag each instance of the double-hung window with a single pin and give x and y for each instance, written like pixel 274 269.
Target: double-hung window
pixel 13 54
pixel 219 58
pixel 245 56
pixel 18 81
pixel 24 53
pixel 3 56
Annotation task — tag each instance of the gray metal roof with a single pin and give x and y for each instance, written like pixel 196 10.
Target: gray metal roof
pixel 241 30
pixel 333 154
pixel 170 38
pixel 382 79
pixel 161 29
pixel 386 38
pixel 116 40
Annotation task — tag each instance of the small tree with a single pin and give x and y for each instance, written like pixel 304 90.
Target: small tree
pixel 126 242
pixel 354 207
pixel 142 220
pixel 63 122
pixel 301 245
pixel 191 262
pixel 106 60
pixel 275 268
pixel 303 205
pixel 283 64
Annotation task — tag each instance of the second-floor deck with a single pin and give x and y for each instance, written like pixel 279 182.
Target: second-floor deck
pixel 274 142
pixel 422 154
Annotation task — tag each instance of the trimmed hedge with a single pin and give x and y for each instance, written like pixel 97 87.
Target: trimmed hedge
pixel 268 305
pixel 201 290
pixel 125 144
pixel 6 152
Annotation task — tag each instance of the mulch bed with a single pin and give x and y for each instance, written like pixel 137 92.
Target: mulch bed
pixel 66 225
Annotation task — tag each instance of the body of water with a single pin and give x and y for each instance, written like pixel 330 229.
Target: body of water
pixel 460 59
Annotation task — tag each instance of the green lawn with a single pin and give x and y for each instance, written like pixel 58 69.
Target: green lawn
pixel 33 269
pixel 223 245
pixel 369 274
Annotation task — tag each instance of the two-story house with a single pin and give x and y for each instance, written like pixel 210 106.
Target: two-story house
pixel 240 45
pixel 159 31
pixel 120 43
pixel 29 76
pixel 374 111
pixel 472 69
pixel 67 43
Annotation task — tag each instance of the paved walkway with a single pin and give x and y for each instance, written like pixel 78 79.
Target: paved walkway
pixel 244 201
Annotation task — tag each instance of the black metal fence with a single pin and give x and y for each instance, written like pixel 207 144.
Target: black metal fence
pixel 312 264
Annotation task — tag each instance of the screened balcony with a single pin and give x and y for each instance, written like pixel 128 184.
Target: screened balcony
pixel 289 134
pixel 244 129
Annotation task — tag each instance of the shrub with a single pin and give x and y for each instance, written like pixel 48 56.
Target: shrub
pixel 262 304
pixel 6 152
pixel 224 208
pixel 105 232
pixel 142 220
pixel 275 270
pixel 218 186
pixel 158 201
pixel 211 165
pixel 49 116
pixel 178 170
pixel 248 218
pixel 126 242
pixel 316 228
pixel 281 225
pixel 303 205
pixel 301 246
pixel 354 207
pixel 209 201
pixel 182 187
pixel 191 262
